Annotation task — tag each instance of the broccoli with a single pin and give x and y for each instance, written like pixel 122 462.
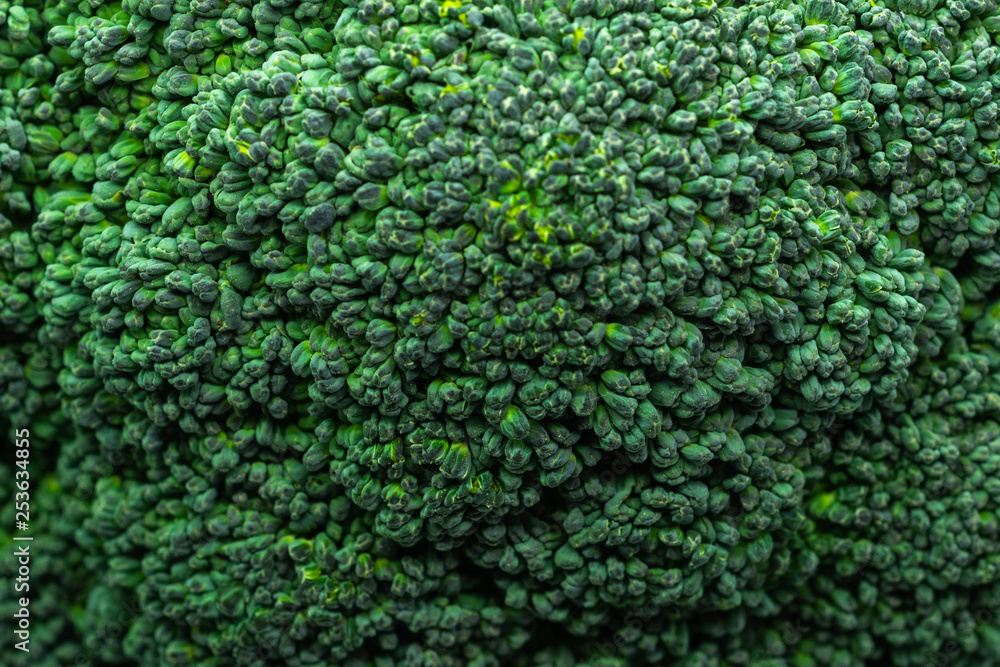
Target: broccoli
pixel 447 332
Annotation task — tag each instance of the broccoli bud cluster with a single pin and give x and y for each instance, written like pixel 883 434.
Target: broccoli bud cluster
pixel 442 332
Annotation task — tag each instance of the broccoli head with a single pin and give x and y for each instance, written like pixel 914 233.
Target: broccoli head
pixel 449 332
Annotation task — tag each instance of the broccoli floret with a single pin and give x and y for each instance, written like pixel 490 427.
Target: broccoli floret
pixel 450 332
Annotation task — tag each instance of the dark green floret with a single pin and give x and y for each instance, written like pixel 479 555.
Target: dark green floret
pixel 531 332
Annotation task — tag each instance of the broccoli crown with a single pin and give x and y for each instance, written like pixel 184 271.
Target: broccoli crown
pixel 444 332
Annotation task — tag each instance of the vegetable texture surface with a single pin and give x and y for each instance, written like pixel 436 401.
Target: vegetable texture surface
pixel 532 332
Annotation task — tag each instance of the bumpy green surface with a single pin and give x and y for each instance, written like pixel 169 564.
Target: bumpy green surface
pixel 562 332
